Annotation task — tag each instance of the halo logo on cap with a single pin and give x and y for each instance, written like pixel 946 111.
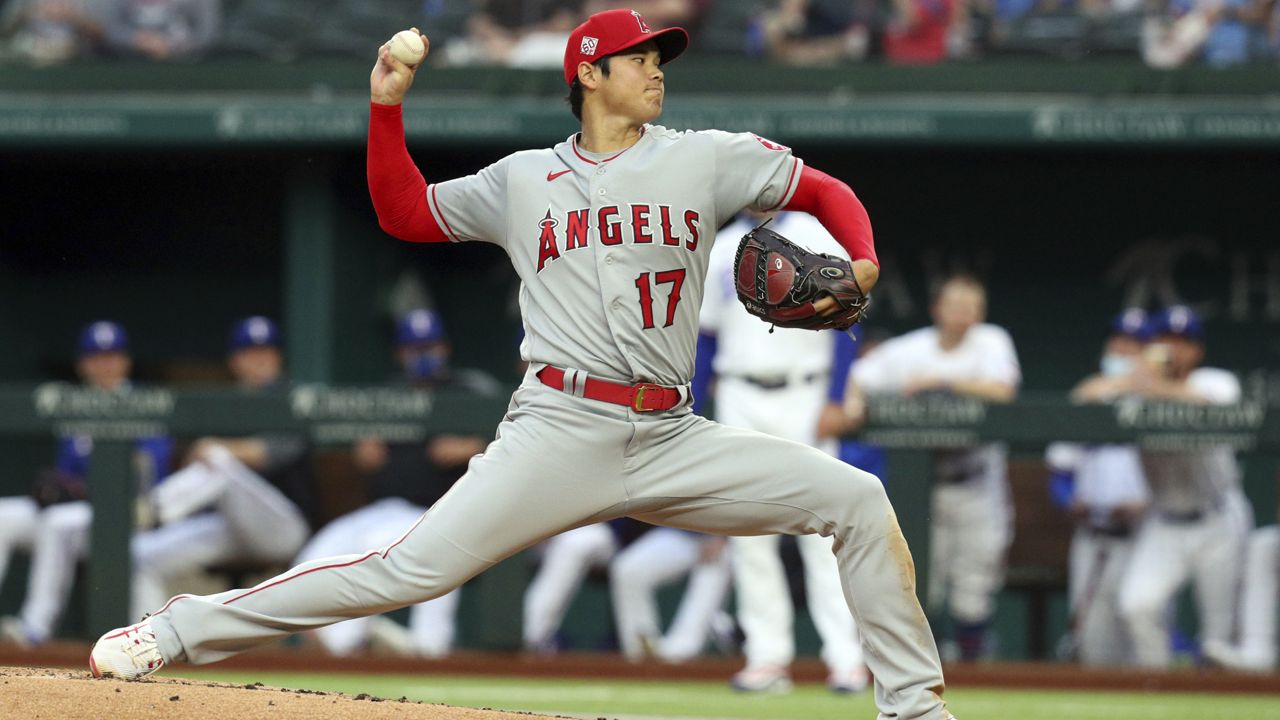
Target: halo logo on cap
pixel 644 26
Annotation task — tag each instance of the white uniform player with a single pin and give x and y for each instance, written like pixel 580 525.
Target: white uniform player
pixel 1103 488
pixel 971 518
pixel 658 558
pixel 54 524
pixel 777 383
pixel 1200 518
pixel 1259 596
pixel 239 499
pixel 403 480
pixel 609 232
pixel 567 558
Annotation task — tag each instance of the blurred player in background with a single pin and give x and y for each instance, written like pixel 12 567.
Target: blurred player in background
pixel 567 558
pixel 244 499
pixel 1103 489
pixel 1200 518
pixel 1259 596
pixel 660 557
pixel 971 520
pixel 54 523
pixel 404 478
pixel 781 383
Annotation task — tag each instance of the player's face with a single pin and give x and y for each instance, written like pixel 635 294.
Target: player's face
pixel 1123 346
pixel 1184 355
pixel 104 371
pixel 634 88
pixel 959 307
pixel 256 366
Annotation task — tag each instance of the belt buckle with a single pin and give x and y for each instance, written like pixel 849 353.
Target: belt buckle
pixel 637 400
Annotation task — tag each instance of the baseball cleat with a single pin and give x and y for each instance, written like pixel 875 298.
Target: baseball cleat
pixel 849 683
pixel 763 679
pixel 128 653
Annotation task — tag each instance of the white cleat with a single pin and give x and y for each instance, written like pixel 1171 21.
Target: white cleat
pixel 128 653
pixel 764 679
pixel 849 683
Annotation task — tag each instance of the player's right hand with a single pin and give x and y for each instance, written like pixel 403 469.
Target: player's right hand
pixel 390 79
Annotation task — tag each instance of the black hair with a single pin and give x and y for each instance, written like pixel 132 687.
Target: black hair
pixel 574 98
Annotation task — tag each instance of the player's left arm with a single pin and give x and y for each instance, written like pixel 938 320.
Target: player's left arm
pixel 840 211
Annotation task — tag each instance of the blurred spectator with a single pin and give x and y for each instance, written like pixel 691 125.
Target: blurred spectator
pixel 1221 32
pixel 161 29
pixel 405 478
pixel 971 517
pixel 1103 489
pixel 813 32
pixel 662 556
pixel 1199 515
pixel 919 31
pixel 236 500
pixel 54 523
pixel 516 33
pixel 45 32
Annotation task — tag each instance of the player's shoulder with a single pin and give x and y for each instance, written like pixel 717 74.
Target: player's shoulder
pixel 991 333
pixel 910 342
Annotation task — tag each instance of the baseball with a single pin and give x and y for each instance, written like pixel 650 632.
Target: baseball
pixel 407 47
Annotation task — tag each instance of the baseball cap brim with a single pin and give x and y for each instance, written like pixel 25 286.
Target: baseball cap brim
pixel 671 42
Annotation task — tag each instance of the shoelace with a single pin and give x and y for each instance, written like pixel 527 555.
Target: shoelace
pixel 138 648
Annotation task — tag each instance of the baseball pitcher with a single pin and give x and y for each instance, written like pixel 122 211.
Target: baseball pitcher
pixel 610 232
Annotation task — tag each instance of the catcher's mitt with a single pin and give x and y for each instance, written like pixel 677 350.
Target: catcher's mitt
pixel 779 281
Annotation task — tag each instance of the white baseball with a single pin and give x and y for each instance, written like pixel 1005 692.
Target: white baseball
pixel 407 47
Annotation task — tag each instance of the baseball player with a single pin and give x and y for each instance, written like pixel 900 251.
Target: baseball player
pixel 566 559
pixel 54 522
pixel 1259 595
pixel 971 522
pixel 405 478
pixel 609 232
pixel 778 383
pixel 236 498
pixel 660 557
pixel 1105 493
pixel 1199 520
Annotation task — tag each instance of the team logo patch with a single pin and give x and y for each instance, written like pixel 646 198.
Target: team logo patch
pixel 644 27
pixel 589 45
pixel 769 143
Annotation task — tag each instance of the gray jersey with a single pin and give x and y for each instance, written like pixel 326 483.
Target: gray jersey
pixel 612 250
pixel 1198 479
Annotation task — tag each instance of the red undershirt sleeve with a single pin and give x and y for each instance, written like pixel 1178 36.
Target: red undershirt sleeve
pixel 396 187
pixel 840 211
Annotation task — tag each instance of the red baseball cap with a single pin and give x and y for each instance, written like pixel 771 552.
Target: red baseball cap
pixel 611 31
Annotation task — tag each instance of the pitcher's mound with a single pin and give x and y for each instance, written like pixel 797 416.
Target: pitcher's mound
pixel 31 693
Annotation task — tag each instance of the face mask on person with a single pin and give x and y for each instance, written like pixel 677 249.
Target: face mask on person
pixel 424 365
pixel 1116 365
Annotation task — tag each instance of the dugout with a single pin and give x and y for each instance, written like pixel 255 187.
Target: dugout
pixel 187 196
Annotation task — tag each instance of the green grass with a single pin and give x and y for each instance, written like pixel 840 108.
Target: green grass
pixel 685 700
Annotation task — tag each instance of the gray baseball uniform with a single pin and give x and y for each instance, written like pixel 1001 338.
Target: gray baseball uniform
pixel 612 252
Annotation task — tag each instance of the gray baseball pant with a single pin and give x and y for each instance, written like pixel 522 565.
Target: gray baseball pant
pixel 560 462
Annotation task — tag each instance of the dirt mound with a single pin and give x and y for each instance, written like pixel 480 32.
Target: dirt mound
pixel 34 693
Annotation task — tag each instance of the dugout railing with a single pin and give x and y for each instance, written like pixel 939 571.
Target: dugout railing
pixel 908 428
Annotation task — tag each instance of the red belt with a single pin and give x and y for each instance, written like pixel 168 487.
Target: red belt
pixel 641 397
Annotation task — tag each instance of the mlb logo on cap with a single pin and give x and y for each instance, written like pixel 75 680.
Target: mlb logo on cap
pixel 101 337
pixel 419 326
pixel 255 331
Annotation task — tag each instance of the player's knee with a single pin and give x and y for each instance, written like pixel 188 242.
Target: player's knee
pixel 1139 607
